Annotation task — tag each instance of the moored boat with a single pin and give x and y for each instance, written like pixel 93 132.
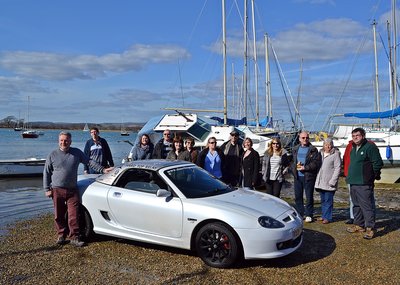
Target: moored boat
pixel 22 167
pixel 191 125
pixel 30 134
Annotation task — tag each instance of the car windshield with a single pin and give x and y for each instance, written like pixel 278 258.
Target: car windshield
pixel 195 182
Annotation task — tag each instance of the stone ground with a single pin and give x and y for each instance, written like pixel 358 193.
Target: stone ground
pixel 328 255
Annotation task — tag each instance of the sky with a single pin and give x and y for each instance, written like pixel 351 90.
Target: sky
pixel 124 61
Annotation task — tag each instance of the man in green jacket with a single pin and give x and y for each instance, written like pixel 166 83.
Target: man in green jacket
pixel 365 166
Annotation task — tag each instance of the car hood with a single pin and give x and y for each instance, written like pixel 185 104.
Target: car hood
pixel 250 202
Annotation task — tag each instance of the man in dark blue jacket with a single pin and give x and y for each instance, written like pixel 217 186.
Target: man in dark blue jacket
pixel 305 166
pixel 97 149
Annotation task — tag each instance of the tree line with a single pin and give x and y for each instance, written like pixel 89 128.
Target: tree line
pixel 12 122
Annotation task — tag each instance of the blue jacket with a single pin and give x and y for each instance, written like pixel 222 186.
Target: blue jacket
pixel 104 157
pixel 138 153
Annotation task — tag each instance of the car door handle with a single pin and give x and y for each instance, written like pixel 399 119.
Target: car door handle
pixel 117 194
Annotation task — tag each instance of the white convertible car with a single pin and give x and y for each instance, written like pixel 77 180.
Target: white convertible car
pixel 178 204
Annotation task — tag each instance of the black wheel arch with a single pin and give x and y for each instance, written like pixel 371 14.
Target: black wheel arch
pixel 85 223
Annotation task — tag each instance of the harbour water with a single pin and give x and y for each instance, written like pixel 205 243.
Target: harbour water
pixel 22 198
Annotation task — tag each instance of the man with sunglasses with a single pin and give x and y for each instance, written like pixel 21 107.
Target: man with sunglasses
pixel 305 166
pixel 233 152
pixel 163 146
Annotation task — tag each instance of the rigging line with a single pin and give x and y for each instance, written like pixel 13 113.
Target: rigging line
pixel 283 87
pixel 189 41
pixel 388 58
pixel 180 81
pixel 282 76
pixel 334 108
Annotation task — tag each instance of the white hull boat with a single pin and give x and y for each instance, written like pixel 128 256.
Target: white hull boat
pixel 22 167
pixel 191 125
pixel 388 143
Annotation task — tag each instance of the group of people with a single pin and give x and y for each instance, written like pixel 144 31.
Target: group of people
pixel 320 171
pixel 237 164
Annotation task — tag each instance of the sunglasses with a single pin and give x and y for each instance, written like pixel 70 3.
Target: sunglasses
pixel 276 143
pixel 306 138
pixel 212 142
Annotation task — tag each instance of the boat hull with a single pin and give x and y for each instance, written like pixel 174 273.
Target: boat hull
pixel 22 167
pixel 30 134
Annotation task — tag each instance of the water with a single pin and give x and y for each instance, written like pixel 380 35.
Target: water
pixel 22 198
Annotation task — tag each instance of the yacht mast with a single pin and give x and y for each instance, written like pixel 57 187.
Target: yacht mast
pixel 394 63
pixel 268 97
pixel 245 91
pixel 377 97
pixel 255 63
pixel 224 61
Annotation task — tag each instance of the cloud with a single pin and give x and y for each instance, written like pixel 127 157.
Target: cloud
pixel 327 40
pixel 12 86
pixel 60 67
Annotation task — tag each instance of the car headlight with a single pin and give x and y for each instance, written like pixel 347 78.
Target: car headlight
pixel 270 223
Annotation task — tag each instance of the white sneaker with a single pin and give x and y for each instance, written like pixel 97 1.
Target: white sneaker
pixel 308 220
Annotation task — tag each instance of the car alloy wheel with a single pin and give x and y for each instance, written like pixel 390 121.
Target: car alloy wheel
pixel 217 245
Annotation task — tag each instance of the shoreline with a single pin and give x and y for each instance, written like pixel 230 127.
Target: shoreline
pixel 328 255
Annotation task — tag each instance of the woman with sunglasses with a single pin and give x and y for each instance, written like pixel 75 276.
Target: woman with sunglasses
pixel 212 158
pixel 275 165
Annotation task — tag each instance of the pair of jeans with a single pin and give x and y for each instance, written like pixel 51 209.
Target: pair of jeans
pixel 273 187
pixel 327 204
pixel 301 186
pixel 66 200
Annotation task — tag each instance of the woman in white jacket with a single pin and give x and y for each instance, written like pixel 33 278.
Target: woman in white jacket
pixel 327 179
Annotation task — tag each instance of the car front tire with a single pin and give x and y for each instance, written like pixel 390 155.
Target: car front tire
pixel 217 245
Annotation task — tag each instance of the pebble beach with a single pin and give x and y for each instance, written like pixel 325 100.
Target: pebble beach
pixel 328 255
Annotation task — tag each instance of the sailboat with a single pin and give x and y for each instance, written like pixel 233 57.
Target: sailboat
pixel 189 124
pixel 387 139
pixel 86 128
pixel 28 133
pixel 18 126
pixel 124 132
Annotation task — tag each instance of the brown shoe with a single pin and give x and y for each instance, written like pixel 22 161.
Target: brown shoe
pixel 355 229
pixel 369 233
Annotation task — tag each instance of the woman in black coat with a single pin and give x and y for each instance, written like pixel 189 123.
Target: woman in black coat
pixel 250 165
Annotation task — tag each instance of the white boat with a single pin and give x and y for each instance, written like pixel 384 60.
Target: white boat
pixel 124 132
pixel 387 141
pixel 191 125
pixel 22 167
pixel 86 128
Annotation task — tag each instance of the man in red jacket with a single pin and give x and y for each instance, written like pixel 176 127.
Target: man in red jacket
pixel 346 162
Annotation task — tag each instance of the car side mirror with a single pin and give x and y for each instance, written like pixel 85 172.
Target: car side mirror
pixel 163 193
